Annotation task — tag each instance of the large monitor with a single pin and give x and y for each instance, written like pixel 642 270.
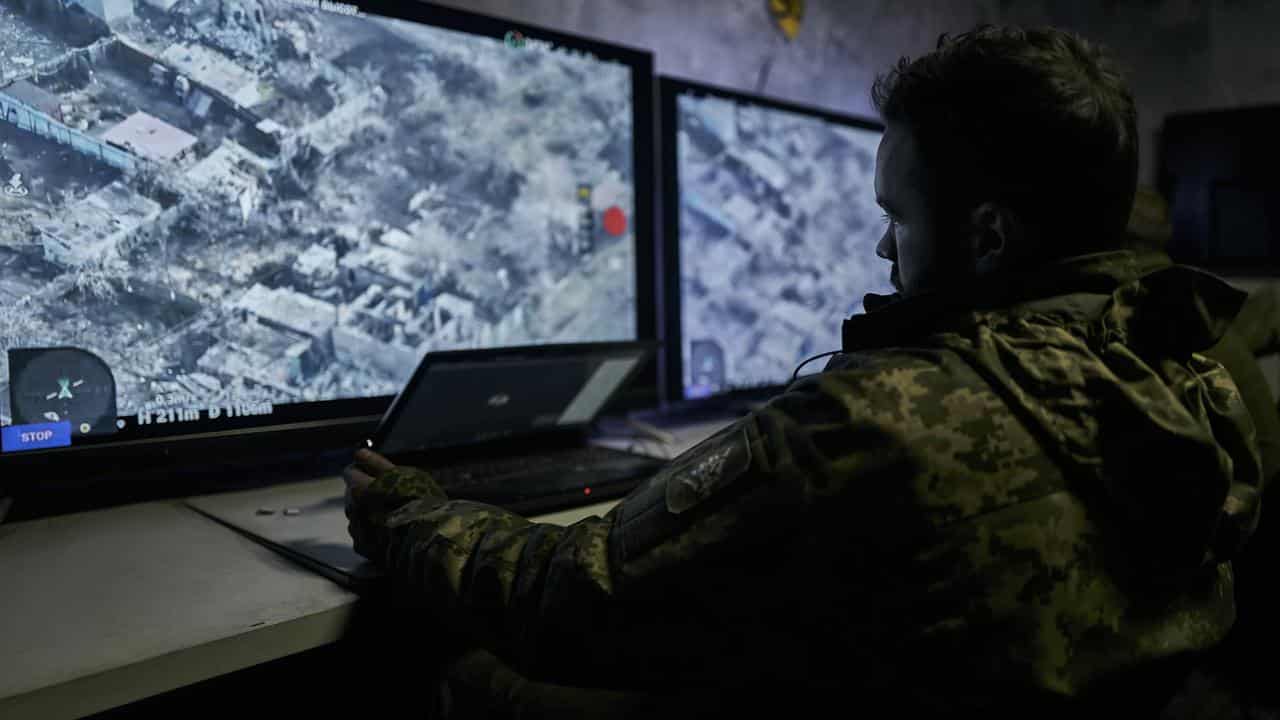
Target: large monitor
pixel 771 224
pixel 236 219
pixel 1220 173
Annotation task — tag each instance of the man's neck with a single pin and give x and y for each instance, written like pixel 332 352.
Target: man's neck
pixel 891 318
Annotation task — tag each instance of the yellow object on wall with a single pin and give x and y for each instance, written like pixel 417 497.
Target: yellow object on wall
pixel 788 14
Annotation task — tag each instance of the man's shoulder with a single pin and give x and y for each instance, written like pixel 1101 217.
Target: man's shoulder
pixel 902 390
pixel 956 446
pixel 907 377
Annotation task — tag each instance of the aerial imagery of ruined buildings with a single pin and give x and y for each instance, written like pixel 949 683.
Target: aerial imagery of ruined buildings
pixel 260 201
pixel 770 202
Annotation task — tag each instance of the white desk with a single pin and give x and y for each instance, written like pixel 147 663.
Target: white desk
pixel 105 608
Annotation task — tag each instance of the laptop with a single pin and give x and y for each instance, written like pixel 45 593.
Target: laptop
pixel 512 426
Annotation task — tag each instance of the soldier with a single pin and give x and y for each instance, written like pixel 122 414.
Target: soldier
pixel 1015 492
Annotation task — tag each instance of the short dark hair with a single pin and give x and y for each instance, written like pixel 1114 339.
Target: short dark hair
pixel 1039 119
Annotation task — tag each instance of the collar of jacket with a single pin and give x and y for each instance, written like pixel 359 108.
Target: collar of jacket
pixel 1152 301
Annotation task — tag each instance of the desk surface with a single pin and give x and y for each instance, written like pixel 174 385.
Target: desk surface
pixel 118 605
pixel 104 608
pixel 315 525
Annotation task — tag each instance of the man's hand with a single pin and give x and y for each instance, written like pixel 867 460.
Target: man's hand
pixel 361 474
pixel 377 487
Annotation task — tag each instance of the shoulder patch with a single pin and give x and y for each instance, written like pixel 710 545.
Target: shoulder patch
pixel 700 473
pixel 650 515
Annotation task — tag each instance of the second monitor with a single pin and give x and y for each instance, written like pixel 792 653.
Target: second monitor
pixel 771 224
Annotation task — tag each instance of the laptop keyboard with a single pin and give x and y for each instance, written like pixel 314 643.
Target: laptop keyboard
pixel 522 481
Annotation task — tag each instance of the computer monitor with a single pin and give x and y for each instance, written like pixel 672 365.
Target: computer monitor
pixel 1218 172
pixel 232 222
pixel 771 224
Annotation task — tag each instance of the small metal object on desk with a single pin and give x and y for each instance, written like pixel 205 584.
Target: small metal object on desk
pixel 292 511
pixel 266 511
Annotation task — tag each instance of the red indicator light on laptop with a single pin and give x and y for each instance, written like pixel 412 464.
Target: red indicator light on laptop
pixel 586 491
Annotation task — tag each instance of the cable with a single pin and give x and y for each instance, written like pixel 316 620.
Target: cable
pixel 648 447
pixel 796 374
pixel 651 432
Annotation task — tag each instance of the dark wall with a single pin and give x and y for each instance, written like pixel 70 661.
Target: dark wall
pixel 1181 54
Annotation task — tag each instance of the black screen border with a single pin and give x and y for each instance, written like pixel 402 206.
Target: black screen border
pixel 671 361
pixel 323 426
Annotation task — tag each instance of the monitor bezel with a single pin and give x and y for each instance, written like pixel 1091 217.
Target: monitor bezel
pixel 347 422
pixel 672 330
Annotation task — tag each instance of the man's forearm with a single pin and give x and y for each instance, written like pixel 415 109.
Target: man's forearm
pixel 494 574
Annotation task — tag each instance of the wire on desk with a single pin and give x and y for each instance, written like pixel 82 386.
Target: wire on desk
pixel 647 446
pixel 651 432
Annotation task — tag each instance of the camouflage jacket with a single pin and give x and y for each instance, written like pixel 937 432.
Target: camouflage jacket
pixel 1255 332
pixel 996 500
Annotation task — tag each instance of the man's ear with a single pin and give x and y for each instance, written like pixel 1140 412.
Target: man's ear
pixel 996 238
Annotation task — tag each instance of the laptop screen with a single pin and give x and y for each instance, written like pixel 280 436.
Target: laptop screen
pixel 462 401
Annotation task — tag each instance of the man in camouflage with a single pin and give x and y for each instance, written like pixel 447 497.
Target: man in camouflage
pixel 1016 491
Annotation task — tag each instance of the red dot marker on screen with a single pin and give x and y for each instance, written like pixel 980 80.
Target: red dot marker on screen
pixel 615 221
pixel 586 491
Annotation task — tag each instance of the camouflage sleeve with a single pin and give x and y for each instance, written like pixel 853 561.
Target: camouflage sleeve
pixel 562 600
pixel 1234 354
pixel 1259 320
pixel 1234 430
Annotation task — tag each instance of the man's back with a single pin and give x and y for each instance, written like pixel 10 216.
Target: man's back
pixel 1019 503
